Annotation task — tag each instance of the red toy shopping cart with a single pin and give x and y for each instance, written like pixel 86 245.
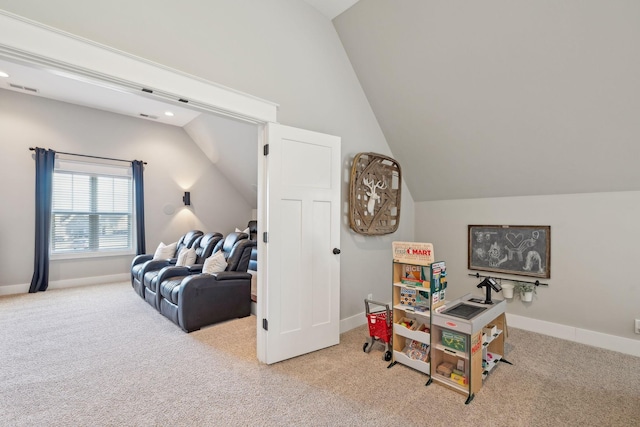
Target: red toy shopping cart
pixel 380 327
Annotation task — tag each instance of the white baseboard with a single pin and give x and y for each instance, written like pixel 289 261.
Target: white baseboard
pixel 569 333
pixel 355 321
pixel 14 289
pixel 67 283
pixel 352 322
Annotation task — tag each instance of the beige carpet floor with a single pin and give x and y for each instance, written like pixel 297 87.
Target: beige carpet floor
pixel 101 356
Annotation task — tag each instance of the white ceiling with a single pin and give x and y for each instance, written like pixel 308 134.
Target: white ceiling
pixel 331 8
pixel 61 86
pixel 220 138
pixel 228 143
pixel 473 103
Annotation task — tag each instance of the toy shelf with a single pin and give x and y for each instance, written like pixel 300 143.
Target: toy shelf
pixel 414 335
pixel 484 345
pixel 491 360
pixel 414 289
pixel 451 383
pixel 456 353
pixel 418 365
pixel 487 340
pixel 409 285
pixel 408 309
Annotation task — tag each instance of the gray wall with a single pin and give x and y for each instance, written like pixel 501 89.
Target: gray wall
pixel 594 281
pixel 281 50
pixel 509 99
pixel 175 163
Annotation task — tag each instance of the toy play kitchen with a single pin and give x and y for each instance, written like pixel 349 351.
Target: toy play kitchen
pixel 468 340
pixel 457 343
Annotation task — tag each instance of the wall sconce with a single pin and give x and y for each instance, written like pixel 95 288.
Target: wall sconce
pixel 187 198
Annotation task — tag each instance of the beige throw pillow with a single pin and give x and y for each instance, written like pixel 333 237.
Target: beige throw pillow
pixel 245 231
pixel 165 251
pixel 215 263
pixel 186 257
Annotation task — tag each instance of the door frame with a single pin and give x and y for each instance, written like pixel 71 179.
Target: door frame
pixel 47 48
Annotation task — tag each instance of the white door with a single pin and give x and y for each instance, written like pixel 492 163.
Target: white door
pixel 299 286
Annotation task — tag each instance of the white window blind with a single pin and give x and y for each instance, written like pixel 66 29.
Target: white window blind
pixel 92 208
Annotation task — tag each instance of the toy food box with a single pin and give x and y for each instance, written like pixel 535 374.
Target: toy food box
pixel 454 340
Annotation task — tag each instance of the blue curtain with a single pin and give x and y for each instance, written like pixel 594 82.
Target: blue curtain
pixel 138 184
pixel 45 160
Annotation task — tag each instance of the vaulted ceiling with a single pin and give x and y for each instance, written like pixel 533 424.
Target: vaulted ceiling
pixel 495 98
pixel 476 99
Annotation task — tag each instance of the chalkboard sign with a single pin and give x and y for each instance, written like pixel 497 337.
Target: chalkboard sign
pixel 512 249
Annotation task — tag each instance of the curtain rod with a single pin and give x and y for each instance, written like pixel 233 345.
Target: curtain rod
pixel 93 157
pixel 537 282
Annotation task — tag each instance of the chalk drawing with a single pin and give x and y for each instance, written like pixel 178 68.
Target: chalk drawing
pixel 510 249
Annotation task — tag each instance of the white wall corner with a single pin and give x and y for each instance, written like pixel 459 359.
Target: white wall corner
pixel 354 321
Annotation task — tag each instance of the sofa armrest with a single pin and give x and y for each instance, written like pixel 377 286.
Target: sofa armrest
pixel 172 271
pixel 231 275
pixel 154 265
pixel 204 300
pixel 195 268
pixel 157 264
pixel 139 259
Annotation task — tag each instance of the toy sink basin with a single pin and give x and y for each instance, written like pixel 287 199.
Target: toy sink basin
pixel 464 311
pixel 467 317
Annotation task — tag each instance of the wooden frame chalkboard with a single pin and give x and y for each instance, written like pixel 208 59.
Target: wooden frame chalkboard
pixel 523 250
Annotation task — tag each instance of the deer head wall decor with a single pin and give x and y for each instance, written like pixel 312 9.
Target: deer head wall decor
pixel 374 197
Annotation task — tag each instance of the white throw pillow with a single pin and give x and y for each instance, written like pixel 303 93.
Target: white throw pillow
pixel 165 251
pixel 186 257
pixel 246 230
pixel 215 263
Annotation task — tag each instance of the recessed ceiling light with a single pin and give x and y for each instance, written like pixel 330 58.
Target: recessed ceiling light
pixel 168 113
pixel 3 74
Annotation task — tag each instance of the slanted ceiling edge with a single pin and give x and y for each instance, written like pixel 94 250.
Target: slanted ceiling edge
pixel 46 47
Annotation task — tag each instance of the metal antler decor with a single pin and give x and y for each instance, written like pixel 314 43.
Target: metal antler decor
pixel 374 196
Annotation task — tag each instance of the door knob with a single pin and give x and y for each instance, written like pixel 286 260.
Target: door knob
pixel 336 251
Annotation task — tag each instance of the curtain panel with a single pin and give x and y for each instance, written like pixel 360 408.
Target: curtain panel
pixel 45 160
pixel 138 184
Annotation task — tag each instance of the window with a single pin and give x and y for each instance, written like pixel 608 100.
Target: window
pixel 92 208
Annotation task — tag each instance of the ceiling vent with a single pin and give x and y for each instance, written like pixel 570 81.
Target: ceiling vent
pixel 148 116
pixel 25 88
